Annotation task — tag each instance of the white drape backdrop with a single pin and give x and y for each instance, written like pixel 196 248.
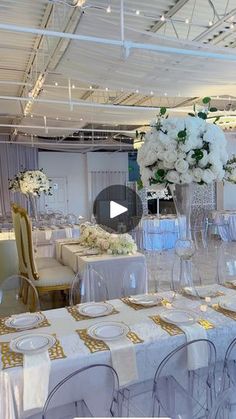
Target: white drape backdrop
pixel 14 158
pixel 101 180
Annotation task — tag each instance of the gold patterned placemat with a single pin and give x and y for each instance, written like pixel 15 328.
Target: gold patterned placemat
pixel 229 285
pixel 4 330
pixel 12 359
pixel 228 313
pixel 174 330
pixel 136 307
pixel 77 316
pixel 196 297
pixel 95 345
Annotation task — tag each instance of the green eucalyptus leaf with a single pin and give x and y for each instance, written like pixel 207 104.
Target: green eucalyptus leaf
pixel 202 115
pixel 191 114
pixel 162 111
pixel 182 134
pixel 206 100
pixel 213 109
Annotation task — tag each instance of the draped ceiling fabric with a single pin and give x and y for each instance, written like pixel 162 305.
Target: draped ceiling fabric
pixel 14 158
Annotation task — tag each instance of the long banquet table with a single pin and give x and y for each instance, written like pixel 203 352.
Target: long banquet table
pixel 157 343
pixel 110 267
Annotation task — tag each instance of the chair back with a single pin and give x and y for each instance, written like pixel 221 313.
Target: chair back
pixel 97 286
pixel 28 248
pixel 91 391
pixel 197 384
pixel 229 368
pixel 131 284
pixel 18 295
pixel 18 235
pixel 75 290
pixel 225 407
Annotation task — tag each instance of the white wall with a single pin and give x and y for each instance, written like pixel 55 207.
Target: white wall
pixel 229 188
pixel 73 167
pixel 76 167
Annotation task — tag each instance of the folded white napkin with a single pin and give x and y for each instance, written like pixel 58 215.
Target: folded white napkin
pixel 123 360
pixel 68 231
pixel 198 352
pixel 36 372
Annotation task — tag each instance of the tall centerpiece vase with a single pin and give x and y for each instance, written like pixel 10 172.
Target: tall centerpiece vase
pixel 33 206
pixel 184 247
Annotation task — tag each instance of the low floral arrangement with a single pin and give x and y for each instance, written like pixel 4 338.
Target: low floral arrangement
pixel 230 170
pixel 183 150
pixel 30 182
pixel 112 244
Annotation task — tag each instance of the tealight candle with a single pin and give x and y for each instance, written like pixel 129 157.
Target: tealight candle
pixel 203 307
pixel 208 299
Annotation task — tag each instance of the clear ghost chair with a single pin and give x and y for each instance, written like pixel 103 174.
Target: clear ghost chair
pixel 176 391
pixel 90 286
pixel 225 407
pixel 186 392
pixel 88 392
pixel 71 219
pixel 229 368
pixel 18 295
pixel 227 262
pixel 130 283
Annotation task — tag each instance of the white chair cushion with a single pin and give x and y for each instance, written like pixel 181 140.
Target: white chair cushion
pixel 57 275
pixel 46 262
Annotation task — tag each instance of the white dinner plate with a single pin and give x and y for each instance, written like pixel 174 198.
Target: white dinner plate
pixel 24 321
pixel 179 317
pixel 91 252
pixel 228 304
pixel 95 309
pixel 32 344
pixel 203 291
pixel 145 300
pixel 108 331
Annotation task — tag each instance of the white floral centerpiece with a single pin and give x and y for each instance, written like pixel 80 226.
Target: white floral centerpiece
pixel 230 170
pixel 113 244
pixel 32 182
pixel 182 151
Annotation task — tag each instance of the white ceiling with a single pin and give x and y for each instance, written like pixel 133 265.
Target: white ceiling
pixel 96 83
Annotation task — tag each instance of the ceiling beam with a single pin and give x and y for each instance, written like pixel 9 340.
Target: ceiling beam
pixel 212 29
pixel 168 15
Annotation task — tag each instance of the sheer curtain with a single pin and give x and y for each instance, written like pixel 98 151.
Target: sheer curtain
pixel 102 179
pixel 13 158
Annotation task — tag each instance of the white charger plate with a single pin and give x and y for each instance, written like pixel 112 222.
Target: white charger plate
pixel 95 309
pixel 24 321
pixel 145 300
pixel 108 331
pixel 179 317
pixel 228 304
pixel 32 344
pixel 203 291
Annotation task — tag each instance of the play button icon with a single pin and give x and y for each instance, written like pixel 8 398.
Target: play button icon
pixel 118 209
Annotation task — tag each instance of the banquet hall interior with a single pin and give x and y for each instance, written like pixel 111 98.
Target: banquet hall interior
pixel 117 209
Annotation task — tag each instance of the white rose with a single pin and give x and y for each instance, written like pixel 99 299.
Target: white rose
pixel 173 177
pixel 168 164
pixel 208 176
pixel 186 177
pixel 197 174
pixel 170 156
pixel 181 166
pixel 232 175
pixel 189 158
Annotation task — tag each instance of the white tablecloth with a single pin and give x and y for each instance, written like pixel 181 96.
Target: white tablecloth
pixel 159 233
pixel 226 221
pixel 111 268
pixel 157 344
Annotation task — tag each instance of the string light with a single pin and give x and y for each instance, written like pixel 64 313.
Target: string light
pixel 232 26
pixel 151 93
pixel 136 91
pixel 163 18
pixel 56 84
pixel 57 118
pixel 210 23
pixel 81 119
pixel 137 12
pixel 108 9
pixel 31 116
pixel 106 89
pixel 90 87
pixel 187 21
pixel 73 86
